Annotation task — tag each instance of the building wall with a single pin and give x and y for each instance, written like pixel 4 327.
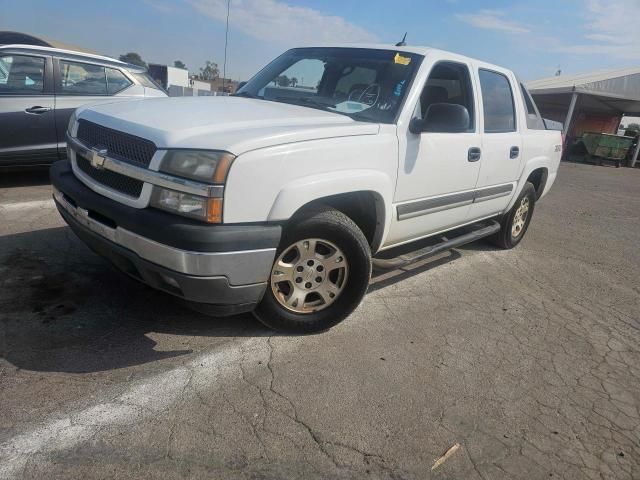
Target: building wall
pixel 592 122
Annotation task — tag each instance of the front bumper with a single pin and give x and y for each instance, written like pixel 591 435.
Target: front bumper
pixel 225 274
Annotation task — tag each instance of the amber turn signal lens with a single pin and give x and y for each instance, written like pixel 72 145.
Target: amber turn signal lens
pixel 214 210
pixel 223 168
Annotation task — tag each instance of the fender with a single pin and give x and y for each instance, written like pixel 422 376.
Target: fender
pixel 305 190
pixel 531 165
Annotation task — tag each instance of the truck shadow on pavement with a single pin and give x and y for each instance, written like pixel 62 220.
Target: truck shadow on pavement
pixel 65 309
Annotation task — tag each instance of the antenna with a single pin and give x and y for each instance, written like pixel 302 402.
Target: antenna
pixel 402 43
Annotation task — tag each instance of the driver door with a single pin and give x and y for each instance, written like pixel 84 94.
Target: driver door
pixel 437 172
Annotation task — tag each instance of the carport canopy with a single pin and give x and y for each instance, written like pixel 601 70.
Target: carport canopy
pixel 614 92
pixel 611 91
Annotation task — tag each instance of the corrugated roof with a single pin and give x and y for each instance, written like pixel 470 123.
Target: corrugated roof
pixel 620 83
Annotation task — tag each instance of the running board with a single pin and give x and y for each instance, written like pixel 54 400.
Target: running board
pixel 481 230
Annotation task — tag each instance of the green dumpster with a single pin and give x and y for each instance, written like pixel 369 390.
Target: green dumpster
pixel 606 147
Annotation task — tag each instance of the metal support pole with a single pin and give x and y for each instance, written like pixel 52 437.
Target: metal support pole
pixel 572 107
pixel 635 155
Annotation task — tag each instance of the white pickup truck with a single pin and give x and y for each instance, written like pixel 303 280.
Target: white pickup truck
pixel 281 198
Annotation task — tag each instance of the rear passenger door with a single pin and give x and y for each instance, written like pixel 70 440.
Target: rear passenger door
pixel 79 83
pixel 500 165
pixel 27 122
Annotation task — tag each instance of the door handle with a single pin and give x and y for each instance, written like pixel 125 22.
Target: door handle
pixel 474 154
pixel 37 109
pixel 514 152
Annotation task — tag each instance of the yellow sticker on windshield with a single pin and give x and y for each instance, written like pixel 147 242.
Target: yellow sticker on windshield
pixel 401 60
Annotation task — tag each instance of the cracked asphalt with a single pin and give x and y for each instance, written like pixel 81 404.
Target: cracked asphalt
pixel 529 359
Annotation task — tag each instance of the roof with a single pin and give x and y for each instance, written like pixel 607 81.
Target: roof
pixel 416 49
pixel 620 83
pixel 12 38
pixel 71 53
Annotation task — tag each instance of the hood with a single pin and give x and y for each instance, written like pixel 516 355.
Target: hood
pixel 234 124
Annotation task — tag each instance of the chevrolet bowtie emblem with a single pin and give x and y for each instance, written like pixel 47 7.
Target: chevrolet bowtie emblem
pixel 98 157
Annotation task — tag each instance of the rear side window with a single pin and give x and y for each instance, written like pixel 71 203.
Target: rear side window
pixel 82 78
pixel 116 81
pixel 21 75
pixel 497 100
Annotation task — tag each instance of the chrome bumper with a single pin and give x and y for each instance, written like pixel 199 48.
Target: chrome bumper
pixel 239 267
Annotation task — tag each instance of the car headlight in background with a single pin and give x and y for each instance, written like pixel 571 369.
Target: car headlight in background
pixel 72 122
pixel 201 165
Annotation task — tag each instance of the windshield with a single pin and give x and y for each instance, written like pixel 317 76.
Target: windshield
pixel 365 84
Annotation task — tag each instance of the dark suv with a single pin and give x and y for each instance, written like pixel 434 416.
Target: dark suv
pixel 41 87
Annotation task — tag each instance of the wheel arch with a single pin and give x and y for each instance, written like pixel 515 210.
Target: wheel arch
pixel 364 196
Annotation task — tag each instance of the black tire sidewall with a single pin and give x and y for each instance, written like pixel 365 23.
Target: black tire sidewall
pixel 510 241
pixel 330 225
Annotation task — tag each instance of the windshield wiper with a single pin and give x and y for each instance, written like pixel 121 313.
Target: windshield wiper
pixel 306 101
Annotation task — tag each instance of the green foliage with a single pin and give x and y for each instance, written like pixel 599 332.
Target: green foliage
pixel 179 64
pixel 210 71
pixel 133 58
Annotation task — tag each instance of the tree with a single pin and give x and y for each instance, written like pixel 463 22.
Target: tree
pixel 293 82
pixel 179 64
pixel 283 81
pixel 210 71
pixel 134 58
pixel 634 126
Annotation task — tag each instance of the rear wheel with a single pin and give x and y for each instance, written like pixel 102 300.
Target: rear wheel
pixel 320 274
pixel 514 224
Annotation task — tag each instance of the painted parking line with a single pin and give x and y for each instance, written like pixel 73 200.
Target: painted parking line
pixel 146 398
pixel 30 205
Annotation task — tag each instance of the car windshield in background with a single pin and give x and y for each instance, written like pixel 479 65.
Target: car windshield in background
pixel 366 84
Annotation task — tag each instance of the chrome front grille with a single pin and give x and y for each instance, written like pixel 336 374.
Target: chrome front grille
pixel 115 181
pixel 120 145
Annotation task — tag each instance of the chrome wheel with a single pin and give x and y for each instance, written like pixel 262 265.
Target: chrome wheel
pixel 309 275
pixel 520 217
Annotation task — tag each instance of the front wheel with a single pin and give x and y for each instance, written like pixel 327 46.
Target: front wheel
pixel 321 272
pixel 514 224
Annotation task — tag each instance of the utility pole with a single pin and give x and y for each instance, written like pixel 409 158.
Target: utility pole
pixel 226 41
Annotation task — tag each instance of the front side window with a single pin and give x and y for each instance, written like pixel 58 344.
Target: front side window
pixel 365 84
pixel 449 82
pixel 82 78
pixel 21 75
pixel 497 101
pixel 116 81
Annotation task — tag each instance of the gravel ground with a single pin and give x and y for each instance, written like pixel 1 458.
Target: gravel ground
pixel 529 359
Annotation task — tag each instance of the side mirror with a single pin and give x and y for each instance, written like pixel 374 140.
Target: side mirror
pixel 442 118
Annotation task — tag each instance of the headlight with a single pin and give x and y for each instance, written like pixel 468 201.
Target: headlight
pixel 72 122
pixel 194 206
pixel 201 165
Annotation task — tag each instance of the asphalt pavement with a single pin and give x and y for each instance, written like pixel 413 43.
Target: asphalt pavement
pixel 521 364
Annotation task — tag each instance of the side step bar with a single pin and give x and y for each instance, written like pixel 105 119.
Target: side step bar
pixel 477 232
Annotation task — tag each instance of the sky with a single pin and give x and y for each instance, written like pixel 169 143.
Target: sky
pixel 533 38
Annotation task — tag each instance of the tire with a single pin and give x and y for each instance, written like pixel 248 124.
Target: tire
pixel 341 245
pixel 507 237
